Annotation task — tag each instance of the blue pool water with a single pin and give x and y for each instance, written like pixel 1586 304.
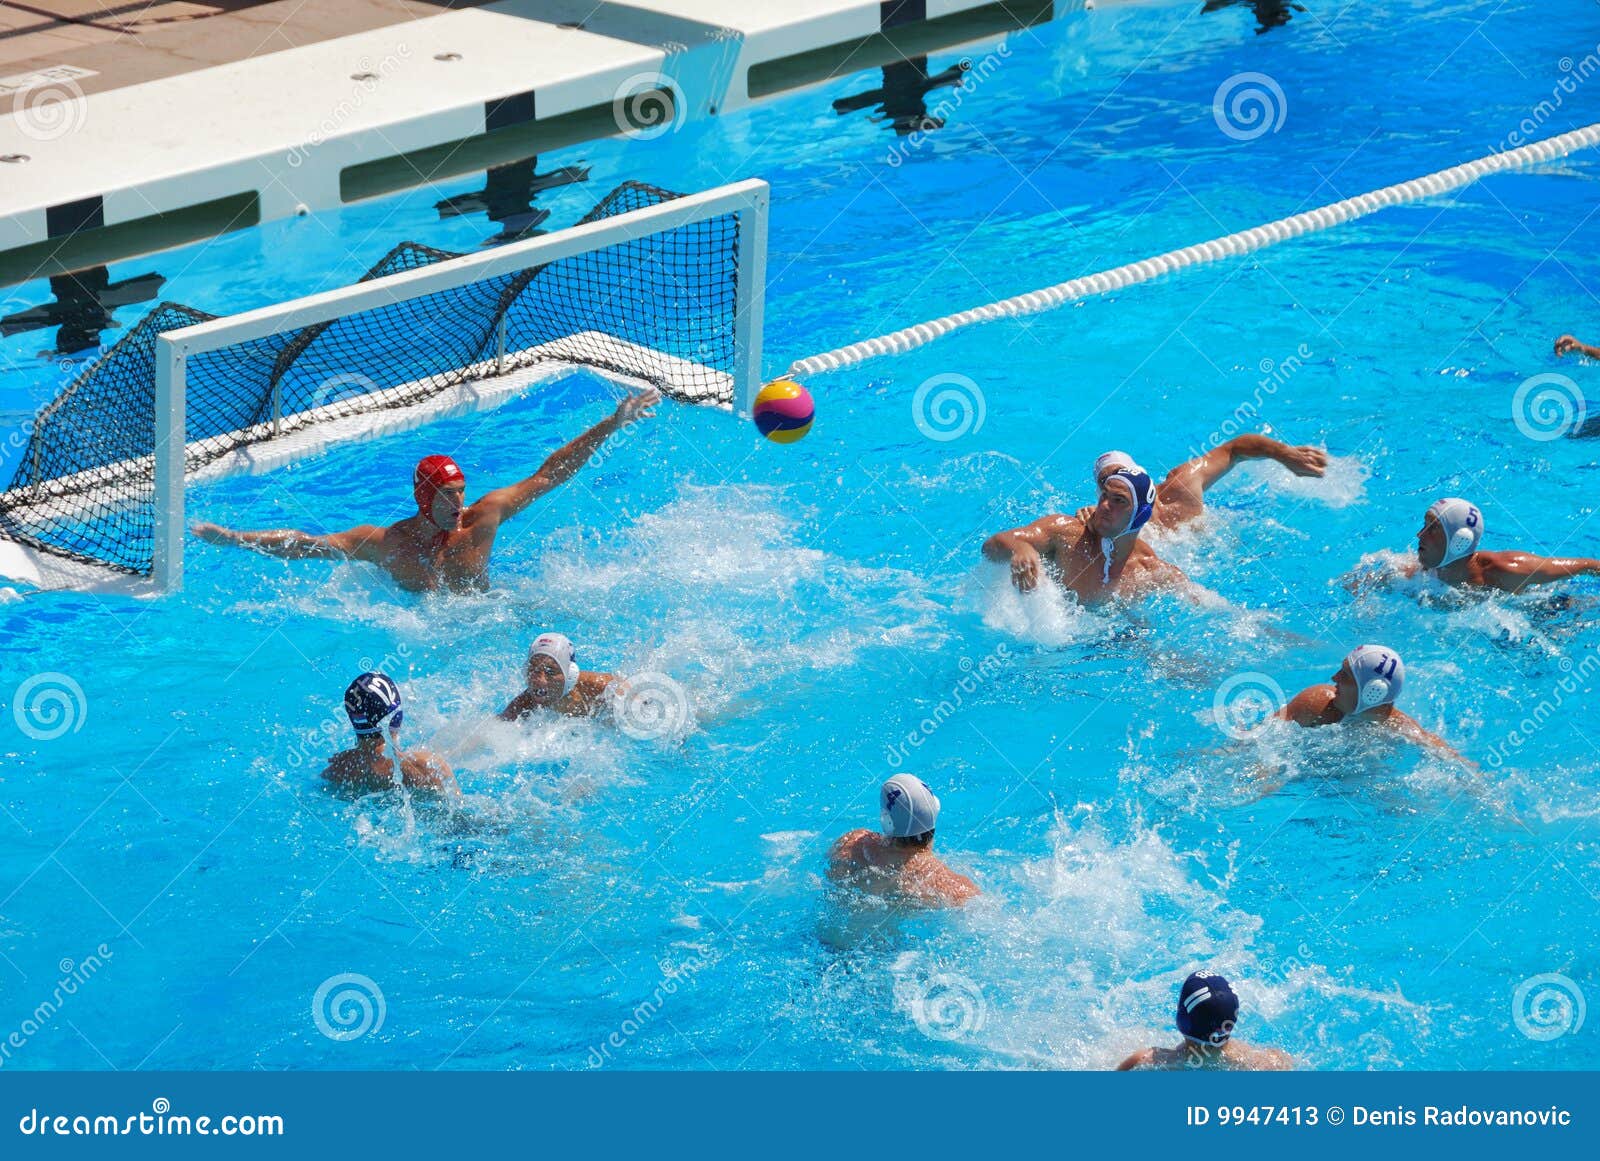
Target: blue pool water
pixel 601 900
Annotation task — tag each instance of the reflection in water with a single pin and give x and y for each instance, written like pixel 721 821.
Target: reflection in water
pixel 85 300
pixel 900 99
pixel 1269 13
pixel 507 196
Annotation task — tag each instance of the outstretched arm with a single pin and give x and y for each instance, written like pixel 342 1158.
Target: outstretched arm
pixel 1198 474
pixel 565 461
pixel 362 543
pixel 1414 730
pixel 1515 571
pixel 1566 344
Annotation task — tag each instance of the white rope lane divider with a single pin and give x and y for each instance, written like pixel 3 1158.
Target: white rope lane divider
pixel 1229 246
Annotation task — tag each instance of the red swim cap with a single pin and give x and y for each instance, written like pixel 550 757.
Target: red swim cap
pixel 433 473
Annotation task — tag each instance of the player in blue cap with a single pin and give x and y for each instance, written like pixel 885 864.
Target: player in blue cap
pixel 1208 1012
pixel 1096 555
pixel 372 702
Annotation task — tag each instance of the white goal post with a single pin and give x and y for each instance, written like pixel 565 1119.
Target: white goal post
pixel 490 381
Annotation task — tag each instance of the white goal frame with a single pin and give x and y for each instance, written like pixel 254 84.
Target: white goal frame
pixel 750 199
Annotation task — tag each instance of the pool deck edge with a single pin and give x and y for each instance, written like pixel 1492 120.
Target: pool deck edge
pixel 99 174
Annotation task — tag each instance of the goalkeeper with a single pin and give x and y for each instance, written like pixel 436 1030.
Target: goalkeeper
pixel 446 544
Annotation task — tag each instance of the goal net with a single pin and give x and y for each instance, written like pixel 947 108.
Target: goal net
pixel 650 288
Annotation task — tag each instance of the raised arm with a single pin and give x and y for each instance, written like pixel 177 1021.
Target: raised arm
pixel 1025 547
pixel 1515 571
pixel 565 461
pixel 1201 472
pixel 362 543
pixel 1566 344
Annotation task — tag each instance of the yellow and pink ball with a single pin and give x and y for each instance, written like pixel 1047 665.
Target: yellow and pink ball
pixel 783 411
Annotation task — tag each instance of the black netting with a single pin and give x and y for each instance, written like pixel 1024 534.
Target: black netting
pixel 659 308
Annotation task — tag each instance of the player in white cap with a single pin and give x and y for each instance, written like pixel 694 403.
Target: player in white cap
pixel 1097 554
pixel 1365 690
pixel 899 863
pixel 1447 549
pixel 554 682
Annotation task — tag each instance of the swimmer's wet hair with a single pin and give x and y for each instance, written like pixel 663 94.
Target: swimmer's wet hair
pixel 916 840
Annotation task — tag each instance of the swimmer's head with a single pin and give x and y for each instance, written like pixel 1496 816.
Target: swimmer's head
pixel 907 809
pixel 1450 531
pixel 1110 462
pixel 373 704
pixel 1127 498
pixel 441 491
pixel 1207 1010
pixel 1372 675
pixel 552 668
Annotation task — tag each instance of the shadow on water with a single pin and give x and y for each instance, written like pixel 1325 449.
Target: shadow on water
pixel 507 198
pixel 900 99
pixel 85 301
pixel 1269 14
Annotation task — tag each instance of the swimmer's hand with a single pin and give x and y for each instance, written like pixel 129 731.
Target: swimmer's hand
pixel 1025 563
pixel 1083 514
pixel 1305 461
pixel 1566 344
pixel 635 407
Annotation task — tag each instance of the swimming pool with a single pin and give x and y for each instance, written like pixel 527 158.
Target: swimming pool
pixel 821 602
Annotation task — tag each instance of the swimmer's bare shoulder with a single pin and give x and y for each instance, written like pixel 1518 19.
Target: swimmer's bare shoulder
pixel 590 694
pixel 844 859
pixel 1310 706
pixel 1262 1059
pixel 346 769
pixel 1147 1059
pixel 951 886
pixel 425 770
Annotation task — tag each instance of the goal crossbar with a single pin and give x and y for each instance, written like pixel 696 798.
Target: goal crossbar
pixel 487 382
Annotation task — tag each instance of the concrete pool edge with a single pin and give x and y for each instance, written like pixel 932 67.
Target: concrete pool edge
pixel 147 166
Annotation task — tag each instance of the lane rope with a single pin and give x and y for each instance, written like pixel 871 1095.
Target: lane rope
pixel 1229 246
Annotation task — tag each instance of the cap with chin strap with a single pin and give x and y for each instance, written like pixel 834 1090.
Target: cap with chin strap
pixel 1129 477
pixel 372 702
pixel 1462 525
pixel 559 649
pixel 432 474
pixel 1379 675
